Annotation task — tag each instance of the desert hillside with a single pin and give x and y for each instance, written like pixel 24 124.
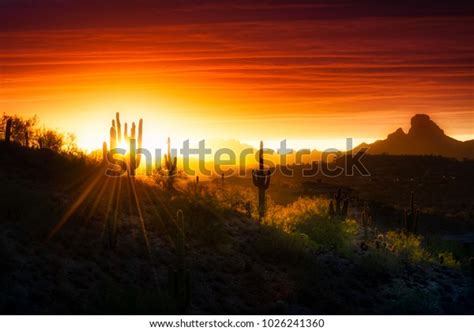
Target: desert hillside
pixel 199 248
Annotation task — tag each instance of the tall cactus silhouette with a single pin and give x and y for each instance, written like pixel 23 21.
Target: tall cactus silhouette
pixel 170 165
pixel 132 142
pixel 411 216
pixel 179 280
pixel 342 206
pixel 261 179
pixel 8 130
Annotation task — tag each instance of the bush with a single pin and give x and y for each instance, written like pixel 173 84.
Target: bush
pixel 407 247
pixel 447 259
pixel 378 264
pixel 278 246
pixel 327 233
pixel 300 211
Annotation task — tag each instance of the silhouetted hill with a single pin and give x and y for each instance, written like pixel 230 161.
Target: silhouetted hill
pixel 425 137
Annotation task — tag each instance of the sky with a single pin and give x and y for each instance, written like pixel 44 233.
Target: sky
pixel 312 72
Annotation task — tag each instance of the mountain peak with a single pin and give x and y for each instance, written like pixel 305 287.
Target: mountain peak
pixel 398 133
pixel 423 126
pixel 425 137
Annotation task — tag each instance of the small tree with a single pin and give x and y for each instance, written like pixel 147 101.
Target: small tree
pixel 70 145
pixel 47 138
pixel 21 129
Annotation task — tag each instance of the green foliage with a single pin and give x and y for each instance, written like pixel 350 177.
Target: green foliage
pixel 285 248
pixel 308 216
pixel 407 247
pixel 328 234
pixel 378 264
pixel 303 209
pixel 447 259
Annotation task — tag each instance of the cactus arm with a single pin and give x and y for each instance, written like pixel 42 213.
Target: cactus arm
pixel 119 132
pixel 140 132
pixel 260 157
pixel 139 141
pixel 125 133
pixel 113 139
pixel 132 131
pixel 168 142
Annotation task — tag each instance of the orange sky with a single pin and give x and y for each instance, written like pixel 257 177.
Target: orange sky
pixel 302 71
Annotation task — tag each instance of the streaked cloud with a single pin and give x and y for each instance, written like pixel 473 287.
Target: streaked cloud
pixel 301 62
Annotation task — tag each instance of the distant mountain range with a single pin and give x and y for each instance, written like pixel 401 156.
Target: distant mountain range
pixel 425 137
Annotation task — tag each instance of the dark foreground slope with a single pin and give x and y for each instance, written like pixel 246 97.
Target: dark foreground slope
pixel 235 265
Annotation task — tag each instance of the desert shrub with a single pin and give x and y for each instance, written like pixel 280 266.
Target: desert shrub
pixel 47 138
pixel 278 246
pixel 308 216
pixel 327 233
pixel 300 211
pixel 447 259
pixel 378 264
pixel 240 200
pixel 407 247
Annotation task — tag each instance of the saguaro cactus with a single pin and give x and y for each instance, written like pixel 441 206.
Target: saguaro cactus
pixel 134 143
pixel 170 165
pixel 261 179
pixel 342 206
pixel 179 280
pixel 8 130
pixel 131 141
pixel 411 216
